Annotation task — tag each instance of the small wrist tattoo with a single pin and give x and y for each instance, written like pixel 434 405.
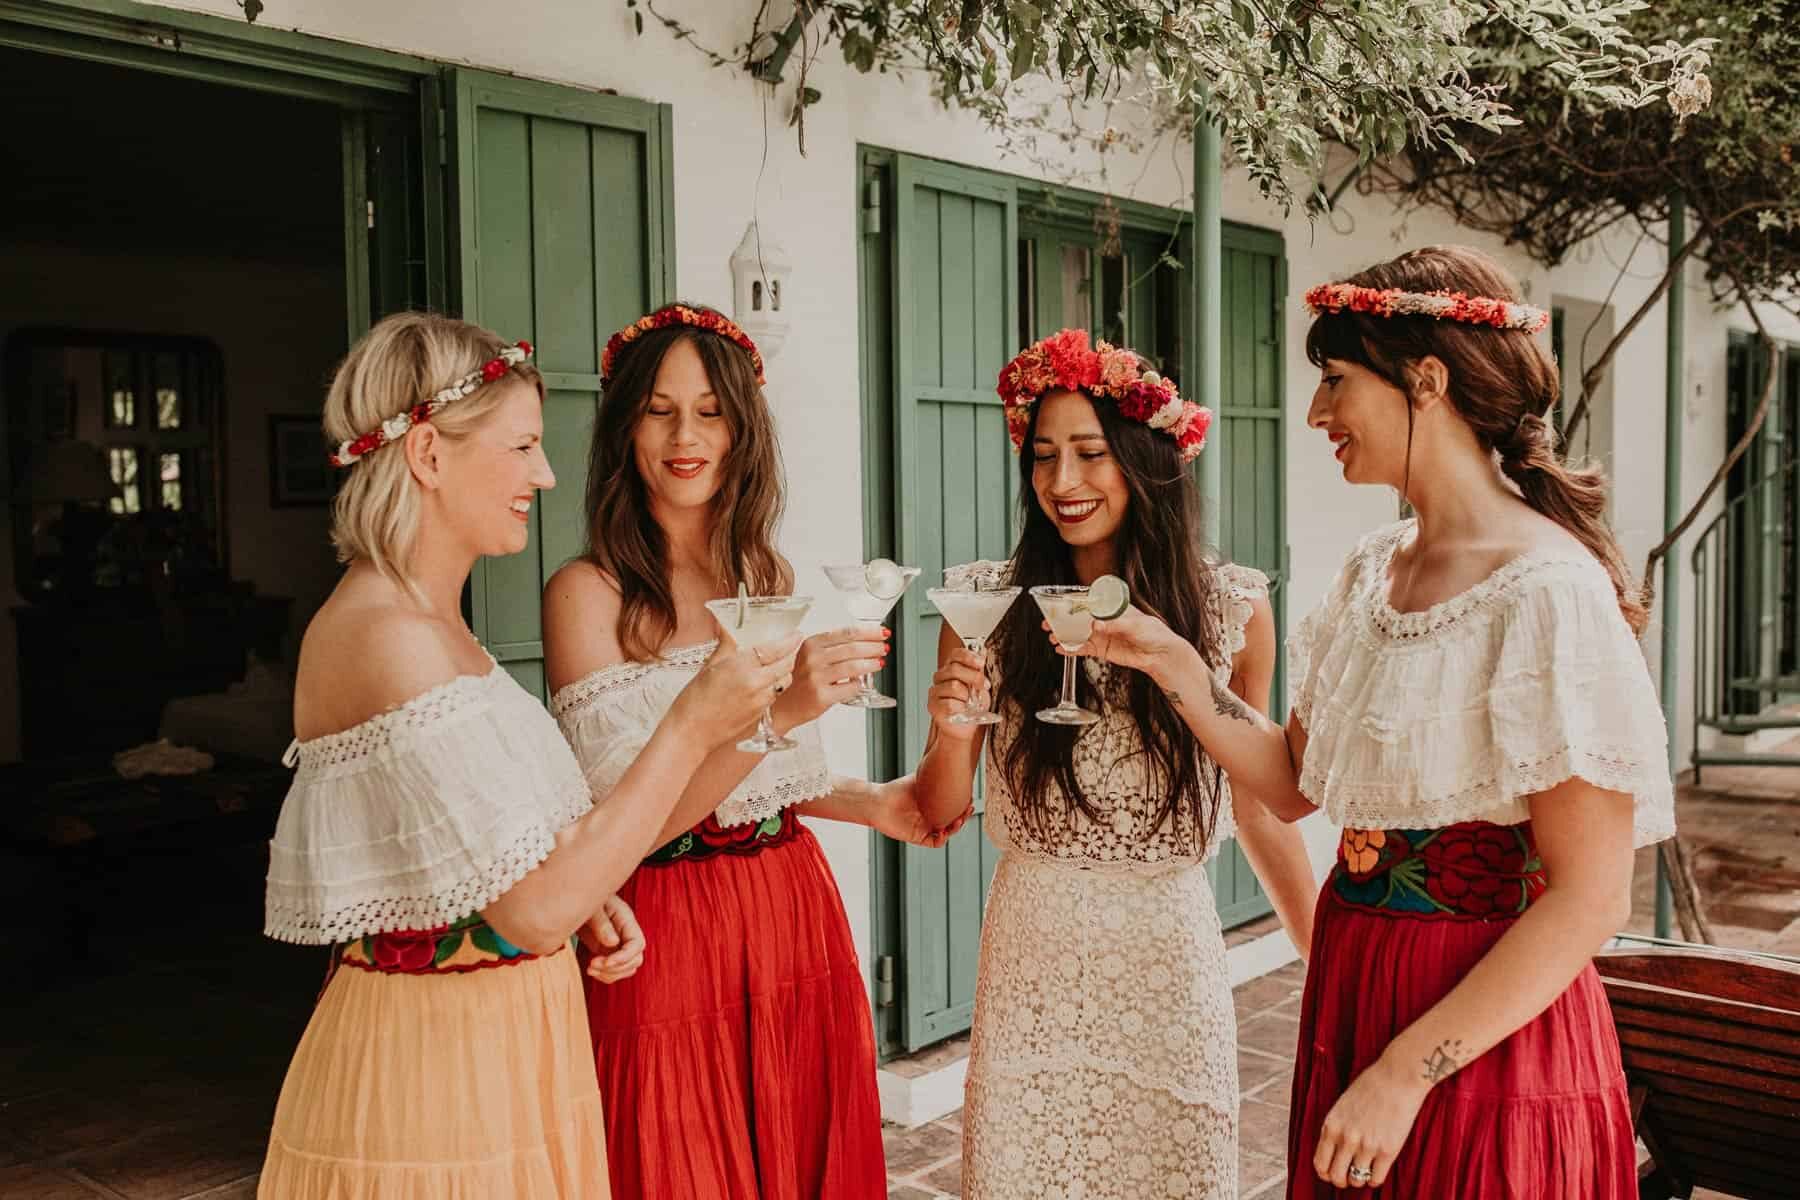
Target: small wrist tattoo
pixel 1228 705
pixel 1444 1062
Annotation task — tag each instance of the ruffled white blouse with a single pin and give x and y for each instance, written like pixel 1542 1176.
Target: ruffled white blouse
pixel 1463 711
pixel 609 715
pixel 421 815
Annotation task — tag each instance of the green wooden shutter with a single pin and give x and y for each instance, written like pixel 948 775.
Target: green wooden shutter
pixel 955 272
pixel 1252 476
pixel 563 210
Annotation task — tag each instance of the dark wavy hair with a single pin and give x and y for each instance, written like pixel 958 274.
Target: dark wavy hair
pixel 623 538
pixel 1502 383
pixel 1161 559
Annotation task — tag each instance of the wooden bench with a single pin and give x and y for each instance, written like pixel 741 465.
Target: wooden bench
pixel 1711 1044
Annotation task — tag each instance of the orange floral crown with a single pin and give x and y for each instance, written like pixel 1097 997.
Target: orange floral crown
pixel 1065 361
pixel 678 314
pixel 1442 306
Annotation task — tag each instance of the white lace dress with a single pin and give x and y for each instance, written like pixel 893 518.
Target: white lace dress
pixel 1103 1060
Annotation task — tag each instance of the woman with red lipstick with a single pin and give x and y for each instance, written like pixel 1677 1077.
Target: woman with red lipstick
pixel 1472 707
pixel 739 1064
pixel 1103 1061
pixel 439 835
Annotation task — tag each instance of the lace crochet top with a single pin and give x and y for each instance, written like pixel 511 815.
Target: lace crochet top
pixel 421 815
pixel 1464 710
pixel 1114 770
pixel 608 717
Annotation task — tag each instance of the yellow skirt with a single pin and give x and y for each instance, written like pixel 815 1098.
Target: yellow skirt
pixel 465 1085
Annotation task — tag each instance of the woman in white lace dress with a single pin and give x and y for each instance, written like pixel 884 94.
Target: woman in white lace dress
pixel 740 1063
pixel 1103 1061
pixel 1471 705
pixel 439 834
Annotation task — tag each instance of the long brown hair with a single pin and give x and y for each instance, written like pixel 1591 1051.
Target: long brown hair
pixel 1502 383
pixel 1160 559
pixel 623 538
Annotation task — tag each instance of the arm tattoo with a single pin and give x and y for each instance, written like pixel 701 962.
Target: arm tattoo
pixel 1228 705
pixel 1444 1062
pixel 1173 696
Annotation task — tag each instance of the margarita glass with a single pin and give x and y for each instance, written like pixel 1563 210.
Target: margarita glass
pixel 1071 619
pixel 870 592
pixel 973 615
pixel 757 621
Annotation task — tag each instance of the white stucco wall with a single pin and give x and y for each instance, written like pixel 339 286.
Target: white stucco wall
pixel 811 203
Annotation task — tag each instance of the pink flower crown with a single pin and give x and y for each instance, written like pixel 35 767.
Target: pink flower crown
pixel 1065 361
pixel 1444 306
pixel 396 427
pixel 678 314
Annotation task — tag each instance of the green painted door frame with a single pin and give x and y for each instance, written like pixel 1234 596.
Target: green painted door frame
pixel 544 212
pixel 924 905
pixel 562 204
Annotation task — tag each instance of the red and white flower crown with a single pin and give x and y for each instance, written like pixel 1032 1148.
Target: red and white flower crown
pixel 1065 361
pixel 396 427
pixel 679 314
pixel 1444 306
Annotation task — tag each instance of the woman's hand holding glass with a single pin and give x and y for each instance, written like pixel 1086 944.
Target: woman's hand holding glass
pixel 1134 639
pixel 829 670
pixel 961 677
pixel 734 687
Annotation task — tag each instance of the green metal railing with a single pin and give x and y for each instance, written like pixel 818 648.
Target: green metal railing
pixel 1746 568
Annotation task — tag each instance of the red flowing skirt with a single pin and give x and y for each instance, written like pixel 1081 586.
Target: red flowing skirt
pixel 739 1062
pixel 1544 1115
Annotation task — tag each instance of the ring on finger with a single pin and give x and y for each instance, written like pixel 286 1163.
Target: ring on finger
pixel 1359 1174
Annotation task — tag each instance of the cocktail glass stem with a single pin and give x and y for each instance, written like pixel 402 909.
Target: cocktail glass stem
pixel 977 702
pixel 1068 691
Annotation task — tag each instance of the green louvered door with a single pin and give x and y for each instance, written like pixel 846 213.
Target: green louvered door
pixel 955 482
pixel 561 204
pixel 1252 475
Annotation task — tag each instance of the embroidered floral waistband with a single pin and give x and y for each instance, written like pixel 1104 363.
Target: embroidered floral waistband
pixel 470 944
pixel 709 838
pixel 1471 871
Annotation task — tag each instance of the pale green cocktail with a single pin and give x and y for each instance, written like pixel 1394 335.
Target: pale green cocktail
pixel 757 621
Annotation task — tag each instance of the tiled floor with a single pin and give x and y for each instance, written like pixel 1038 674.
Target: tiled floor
pixel 151 1073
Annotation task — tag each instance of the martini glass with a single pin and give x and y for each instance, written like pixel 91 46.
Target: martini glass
pixel 973 614
pixel 870 592
pixel 1072 621
pixel 757 621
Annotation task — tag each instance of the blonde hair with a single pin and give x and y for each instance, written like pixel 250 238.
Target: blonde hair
pixel 400 362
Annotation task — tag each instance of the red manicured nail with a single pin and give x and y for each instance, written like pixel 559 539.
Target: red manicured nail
pixel 886 632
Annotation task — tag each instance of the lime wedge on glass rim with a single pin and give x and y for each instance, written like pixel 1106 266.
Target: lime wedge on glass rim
pixel 1108 598
pixel 884 578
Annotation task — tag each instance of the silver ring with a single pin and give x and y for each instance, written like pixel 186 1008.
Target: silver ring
pixel 757 650
pixel 1360 1175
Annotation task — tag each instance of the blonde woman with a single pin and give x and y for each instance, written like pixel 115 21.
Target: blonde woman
pixel 439 834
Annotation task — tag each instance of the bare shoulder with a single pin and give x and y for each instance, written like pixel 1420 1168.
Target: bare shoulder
pixel 358 660
pixel 581 609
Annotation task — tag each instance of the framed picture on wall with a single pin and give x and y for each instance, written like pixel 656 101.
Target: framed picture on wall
pixel 298 472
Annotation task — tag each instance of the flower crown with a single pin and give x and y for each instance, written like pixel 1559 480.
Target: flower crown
pixel 678 314
pixel 1445 306
pixel 1065 362
pixel 395 427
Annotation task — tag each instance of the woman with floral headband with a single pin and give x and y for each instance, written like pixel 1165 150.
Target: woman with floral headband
pixel 740 1063
pixel 1471 705
pixel 1103 1061
pixel 438 834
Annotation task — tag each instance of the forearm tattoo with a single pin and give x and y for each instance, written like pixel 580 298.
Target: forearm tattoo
pixel 1173 696
pixel 1228 705
pixel 1444 1062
